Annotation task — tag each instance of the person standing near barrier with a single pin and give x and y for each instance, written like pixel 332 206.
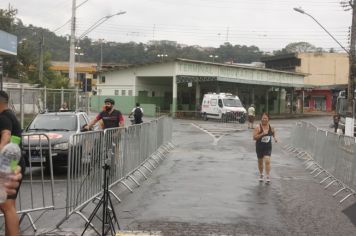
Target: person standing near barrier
pixel 10 126
pixel 263 134
pixel 137 112
pixel 64 107
pixel 251 116
pixel 111 117
pixel 336 119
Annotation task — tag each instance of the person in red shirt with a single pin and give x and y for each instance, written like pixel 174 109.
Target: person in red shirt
pixel 110 117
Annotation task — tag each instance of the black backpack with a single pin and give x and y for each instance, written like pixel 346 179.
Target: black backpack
pixel 138 113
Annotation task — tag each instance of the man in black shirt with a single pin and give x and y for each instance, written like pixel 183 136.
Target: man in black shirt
pixel 111 118
pixel 9 126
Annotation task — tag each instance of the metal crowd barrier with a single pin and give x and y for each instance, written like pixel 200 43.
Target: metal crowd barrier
pixel 36 192
pixel 327 154
pixel 132 149
pixel 84 174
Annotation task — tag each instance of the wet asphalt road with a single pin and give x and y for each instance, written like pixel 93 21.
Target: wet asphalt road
pixel 208 185
pixel 207 188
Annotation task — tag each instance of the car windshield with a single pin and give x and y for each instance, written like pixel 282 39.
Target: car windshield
pixel 54 123
pixel 231 102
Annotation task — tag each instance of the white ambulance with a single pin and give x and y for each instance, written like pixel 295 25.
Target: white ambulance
pixel 224 106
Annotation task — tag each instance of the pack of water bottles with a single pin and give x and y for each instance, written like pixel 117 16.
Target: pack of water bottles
pixel 9 158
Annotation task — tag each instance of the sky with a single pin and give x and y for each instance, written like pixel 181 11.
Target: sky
pixel 267 24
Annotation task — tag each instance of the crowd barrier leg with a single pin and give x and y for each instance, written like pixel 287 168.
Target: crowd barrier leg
pixel 30 219
pixel 317 168
pixel 301 155
pixel 134 180
pixel 126 185
pixel 321 182
pixel 143 174
pixel 339 191
pixel 310 165
pixel 154 167
pixel 347 196
pixel 149 170
pixel 308 160
pixel 115 196
pixel 320 172
pixel 157 162
pixel 331 183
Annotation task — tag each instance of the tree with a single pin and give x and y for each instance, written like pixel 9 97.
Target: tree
pixel 7 18
pixel 300 47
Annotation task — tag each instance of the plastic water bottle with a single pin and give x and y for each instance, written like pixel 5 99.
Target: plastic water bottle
pixel 9 158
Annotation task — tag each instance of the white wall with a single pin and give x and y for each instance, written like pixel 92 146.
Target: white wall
pixel 126 79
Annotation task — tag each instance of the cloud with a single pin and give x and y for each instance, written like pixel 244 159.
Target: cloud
pixel 269 25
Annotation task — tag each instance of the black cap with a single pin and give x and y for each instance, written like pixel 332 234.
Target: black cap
pixel 110 101
pixel 4 96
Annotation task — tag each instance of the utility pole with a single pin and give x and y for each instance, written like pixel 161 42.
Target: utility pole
pixel 40 69
pixel 72 46
pixel 352 60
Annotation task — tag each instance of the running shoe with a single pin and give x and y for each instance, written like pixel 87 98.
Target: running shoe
pixel 261 178
pixel 268 180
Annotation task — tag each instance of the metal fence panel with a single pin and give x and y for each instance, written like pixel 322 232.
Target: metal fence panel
pixel 36 192
pixel 336 154
pixel 130 148
pixel 114 139
pixel 344 160
pixel 85 159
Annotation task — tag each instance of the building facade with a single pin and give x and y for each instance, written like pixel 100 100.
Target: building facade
pixel 179 85
pixel 86 73
pixel 326 75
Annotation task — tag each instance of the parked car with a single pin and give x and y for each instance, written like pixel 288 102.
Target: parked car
pixel 58 126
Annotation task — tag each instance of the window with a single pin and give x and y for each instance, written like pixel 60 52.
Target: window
pixel 220 103
pixel 142 93
pixel 229 102
pixel 153 93
pixel 213 102
pixel 103 79
pixel 116 92
pixel 82 121
pixel 54 122
pixel 306 101
pixel 123 92
pixel 130 92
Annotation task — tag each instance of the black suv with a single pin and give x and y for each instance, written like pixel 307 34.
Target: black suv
pixel 58 126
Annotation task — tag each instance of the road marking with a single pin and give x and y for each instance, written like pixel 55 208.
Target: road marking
pixel 138 233
pixel 216 133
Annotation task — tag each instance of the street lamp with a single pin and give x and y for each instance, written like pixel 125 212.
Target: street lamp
pixel 213 57
pixel 162 56
pixel 350 53
pixel 305 13
pixel 91 28
pixel 99 22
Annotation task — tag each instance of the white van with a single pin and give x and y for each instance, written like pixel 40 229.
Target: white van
pixel 224 106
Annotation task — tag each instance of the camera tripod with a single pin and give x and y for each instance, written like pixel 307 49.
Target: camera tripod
pixel 108 215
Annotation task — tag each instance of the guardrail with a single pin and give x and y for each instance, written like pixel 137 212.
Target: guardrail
pixel 132 149
pixel 327 154
pixel 36 194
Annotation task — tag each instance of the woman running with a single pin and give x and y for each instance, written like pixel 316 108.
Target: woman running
pixel 263 134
